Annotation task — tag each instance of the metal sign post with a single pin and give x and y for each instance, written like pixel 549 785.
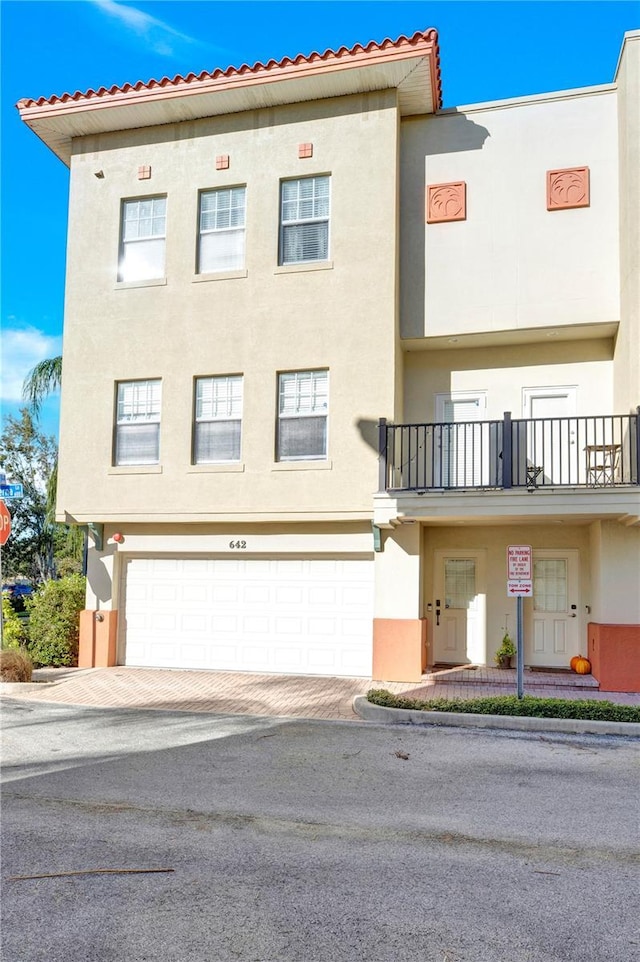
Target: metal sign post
pixel 519 585
pixel 520 647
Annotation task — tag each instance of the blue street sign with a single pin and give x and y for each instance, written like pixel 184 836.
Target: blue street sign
pixel 8 491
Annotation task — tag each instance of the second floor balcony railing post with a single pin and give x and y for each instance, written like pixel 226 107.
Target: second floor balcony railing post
pixel 507 451
pixel 637 465
pixel 382 455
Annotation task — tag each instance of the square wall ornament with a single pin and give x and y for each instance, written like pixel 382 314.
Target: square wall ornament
pixel 305 150
pixel 568 188
pixel 222 162
pixel 446 202
pixel 144 173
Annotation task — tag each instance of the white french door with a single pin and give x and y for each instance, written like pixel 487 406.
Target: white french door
pixel 459 461
pixel 551 440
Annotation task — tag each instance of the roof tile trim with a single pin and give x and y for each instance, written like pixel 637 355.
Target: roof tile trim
pixel 427 39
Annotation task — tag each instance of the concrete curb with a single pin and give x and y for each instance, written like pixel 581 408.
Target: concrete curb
pixel 12 687
pixel 568 726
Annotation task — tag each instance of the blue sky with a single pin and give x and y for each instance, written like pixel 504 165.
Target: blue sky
pixel 489 51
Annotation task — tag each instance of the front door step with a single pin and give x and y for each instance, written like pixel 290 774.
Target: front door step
pixel 534 678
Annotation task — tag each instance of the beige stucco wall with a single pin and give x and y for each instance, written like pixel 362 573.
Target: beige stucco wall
pixel 398 577
pixel 627 357
pixel 342 318
pixel 511 264
pixel 615 554
pixel 505 372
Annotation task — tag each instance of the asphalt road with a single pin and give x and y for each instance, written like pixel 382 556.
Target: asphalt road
pixel 296 841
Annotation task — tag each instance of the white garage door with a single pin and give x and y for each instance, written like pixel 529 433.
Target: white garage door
pixel 297 615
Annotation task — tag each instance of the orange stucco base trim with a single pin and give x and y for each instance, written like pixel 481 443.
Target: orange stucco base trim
pixel 98 637
pixel 399 648
pixel 614 653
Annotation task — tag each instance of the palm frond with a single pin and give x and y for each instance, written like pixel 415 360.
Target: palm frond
pixel 41 381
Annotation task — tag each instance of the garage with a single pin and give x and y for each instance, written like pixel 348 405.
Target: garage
pixel 298 615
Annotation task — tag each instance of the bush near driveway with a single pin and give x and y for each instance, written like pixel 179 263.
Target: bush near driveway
pixel 529 705
pixel 54 621
pixel 15 666
pixel 14 632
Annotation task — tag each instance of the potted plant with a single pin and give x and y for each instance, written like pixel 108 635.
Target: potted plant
pixel 505 652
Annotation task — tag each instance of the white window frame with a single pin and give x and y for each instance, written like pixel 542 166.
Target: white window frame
pixel 221 233
pixel 224 406
pixel 313 403
pixel 300 218
pixel 142 408
pixel 142 230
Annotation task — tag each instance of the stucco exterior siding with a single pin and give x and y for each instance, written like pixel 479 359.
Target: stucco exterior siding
pixel 339 315
pixel 511 264
pixel 627 357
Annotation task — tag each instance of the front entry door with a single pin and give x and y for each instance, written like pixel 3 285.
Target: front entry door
pixel 552 625
pixel 460 596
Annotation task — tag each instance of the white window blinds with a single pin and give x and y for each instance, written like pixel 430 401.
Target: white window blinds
pixel 222 230
pixel 302 421
pixel 138 422
pixel 218 419
pixel 304 220
pixel 143 239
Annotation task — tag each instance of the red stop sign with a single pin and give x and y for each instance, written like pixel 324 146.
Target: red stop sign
pixel 5 523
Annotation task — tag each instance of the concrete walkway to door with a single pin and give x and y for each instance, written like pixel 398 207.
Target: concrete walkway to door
pixel 297 696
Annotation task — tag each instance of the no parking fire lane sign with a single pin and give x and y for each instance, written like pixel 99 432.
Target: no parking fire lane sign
pixel 519 571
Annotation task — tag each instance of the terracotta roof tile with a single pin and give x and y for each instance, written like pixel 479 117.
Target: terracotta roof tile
pixel 177 82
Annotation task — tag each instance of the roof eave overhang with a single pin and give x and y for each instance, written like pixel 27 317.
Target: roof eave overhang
pixel 410 66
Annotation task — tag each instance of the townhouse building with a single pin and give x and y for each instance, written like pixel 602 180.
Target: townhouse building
pixel 329 349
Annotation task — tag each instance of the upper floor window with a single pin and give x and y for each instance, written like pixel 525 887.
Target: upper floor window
pixel 303 400
pixel 143 239
pixel 304 220
pixel 218 419
pixel 222 223
pixel 137 435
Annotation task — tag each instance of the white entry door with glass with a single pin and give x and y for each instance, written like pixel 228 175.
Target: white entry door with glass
pixel 552 623
pixel 459 608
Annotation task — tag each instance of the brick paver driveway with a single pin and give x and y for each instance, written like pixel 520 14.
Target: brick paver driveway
pixel 299 696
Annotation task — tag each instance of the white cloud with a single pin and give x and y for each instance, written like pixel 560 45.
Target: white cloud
pixel 22 349
pixel 158 35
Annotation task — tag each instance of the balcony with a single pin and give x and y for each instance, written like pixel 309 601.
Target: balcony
pixel 600 452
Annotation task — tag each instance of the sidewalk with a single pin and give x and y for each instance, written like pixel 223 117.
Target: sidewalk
pixel 297 696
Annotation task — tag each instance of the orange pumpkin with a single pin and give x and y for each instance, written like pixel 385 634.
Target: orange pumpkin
pixel 583 666
pixel 574 661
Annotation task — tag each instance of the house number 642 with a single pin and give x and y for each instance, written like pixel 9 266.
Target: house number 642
pixel 237 544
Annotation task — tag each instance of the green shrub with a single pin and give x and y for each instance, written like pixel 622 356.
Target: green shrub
pixel 54 621
pixel 529 705
pixel 15 666
pixel 14 634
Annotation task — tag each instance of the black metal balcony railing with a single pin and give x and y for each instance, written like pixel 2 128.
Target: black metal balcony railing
pixel 581 452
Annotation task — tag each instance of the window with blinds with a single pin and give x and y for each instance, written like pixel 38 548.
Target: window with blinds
pixel 143 238
pixel 304 220
pixel 218 419
pixel 137 436
pixel 303 399
pixel 221 241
